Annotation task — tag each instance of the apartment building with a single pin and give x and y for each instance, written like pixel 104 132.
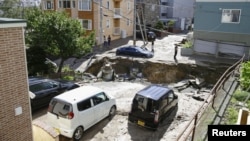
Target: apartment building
pixel 104 17
pixel 179 11
pixel 221 28
pixel 15 115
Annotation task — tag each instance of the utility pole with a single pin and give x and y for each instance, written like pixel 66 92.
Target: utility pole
pixel 134 43
pixel 101 18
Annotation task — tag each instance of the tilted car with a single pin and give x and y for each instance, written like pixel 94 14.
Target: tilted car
pixel 151 104
pixel 42 90
pixel 134 51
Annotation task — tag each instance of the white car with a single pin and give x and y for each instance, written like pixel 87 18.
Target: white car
pixel 73 112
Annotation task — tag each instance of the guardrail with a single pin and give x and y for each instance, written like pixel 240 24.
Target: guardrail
pixel 191 126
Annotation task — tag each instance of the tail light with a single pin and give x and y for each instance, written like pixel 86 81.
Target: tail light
pixel 70 115
pixel 156 117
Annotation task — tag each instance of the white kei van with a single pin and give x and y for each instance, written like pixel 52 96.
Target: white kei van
pixel 76 110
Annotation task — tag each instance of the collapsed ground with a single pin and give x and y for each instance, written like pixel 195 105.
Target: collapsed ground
pixel 191 82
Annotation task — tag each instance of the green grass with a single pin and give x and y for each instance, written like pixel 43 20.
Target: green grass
pixel 232 111
pixel 232 115
pixel 187 44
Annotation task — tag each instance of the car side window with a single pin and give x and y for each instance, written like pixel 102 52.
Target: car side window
pixel 47 85
pixel 36 87
pixel 99 98
pixel 164 101
pixel 83 105
pixel 170 97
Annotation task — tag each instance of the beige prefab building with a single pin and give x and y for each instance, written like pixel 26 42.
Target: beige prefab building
pixel 15 115
pixel 104 17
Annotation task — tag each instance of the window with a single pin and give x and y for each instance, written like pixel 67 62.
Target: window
pixel 164 3
pixel 99 98
pixel 73 4
pixel 84 105
pixel 164 102
pixel 108 23
pixel 128 6
pixel 128 22
pixel 85 5
pixel 60 108
pixel 36 87
pixel 64 4
pixel 107 4
pixel 140 103
pixel 230 16
pixel 87 24
pixel 163 14
pixel 170 97
pixel 48 4
pixel 153 7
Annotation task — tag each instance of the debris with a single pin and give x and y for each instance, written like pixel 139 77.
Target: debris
pixel 198 98
pixel 107 73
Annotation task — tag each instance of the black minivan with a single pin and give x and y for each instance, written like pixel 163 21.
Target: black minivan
pixel 151 104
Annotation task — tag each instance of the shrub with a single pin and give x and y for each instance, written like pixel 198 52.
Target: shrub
pixel 232 115
pixel 240 95
pixel 244 75
pixel 159 25
pixel 187 44
pixel 68 77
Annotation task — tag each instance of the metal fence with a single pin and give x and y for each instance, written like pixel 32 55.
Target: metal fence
pixel 191 126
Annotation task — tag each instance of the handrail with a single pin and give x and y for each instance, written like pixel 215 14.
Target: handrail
pixel 218 84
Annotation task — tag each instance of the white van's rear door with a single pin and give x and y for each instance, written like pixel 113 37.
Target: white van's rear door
pixel 60 115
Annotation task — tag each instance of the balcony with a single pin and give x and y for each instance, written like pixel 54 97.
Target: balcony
pixel 117 13
pixel 117 31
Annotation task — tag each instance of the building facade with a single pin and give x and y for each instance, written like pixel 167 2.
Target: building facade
pixel 15 115
pixel 179 11
pixel 104 17
pixel 221 27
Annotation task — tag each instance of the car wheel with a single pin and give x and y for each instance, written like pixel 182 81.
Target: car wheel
pixel 78 134
pixel 112 112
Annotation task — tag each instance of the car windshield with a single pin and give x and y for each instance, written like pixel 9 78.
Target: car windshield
pixel 143 48
pixel 144 104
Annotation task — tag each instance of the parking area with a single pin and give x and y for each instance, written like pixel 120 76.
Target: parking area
pixel 120 129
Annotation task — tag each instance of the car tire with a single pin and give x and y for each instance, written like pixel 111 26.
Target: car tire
pixel 112 112
pixel 78 134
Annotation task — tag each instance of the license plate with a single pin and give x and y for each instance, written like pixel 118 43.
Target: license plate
pixel 140 123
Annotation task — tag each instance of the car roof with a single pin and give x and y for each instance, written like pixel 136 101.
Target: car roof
pixel 36 81
pixel 154 91
pixel 79 94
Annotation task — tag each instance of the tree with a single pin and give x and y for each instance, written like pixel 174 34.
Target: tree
pixel 170 25
pixel 57 34
pixel 159 25
pixel 11 9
